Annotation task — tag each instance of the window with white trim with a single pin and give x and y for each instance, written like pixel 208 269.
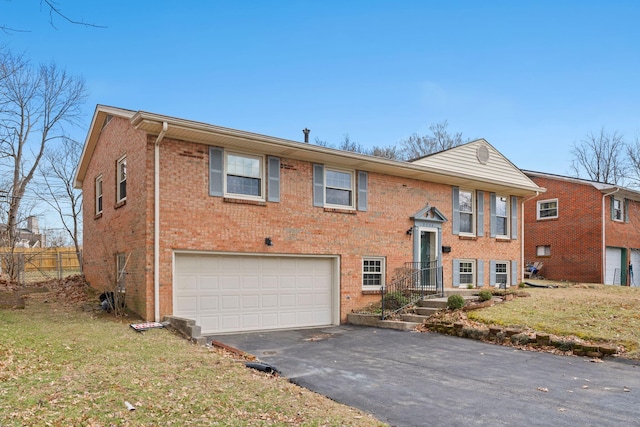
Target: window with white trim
pixel 98 190
pixel 467 213
pixel 502 216
pixel 373 271
pixel 544 250
pixel 339 188
pixel 244 175
pixel 547 209
pixel 121 179
pixel 467 272
pixel 617 211
pixel 502 272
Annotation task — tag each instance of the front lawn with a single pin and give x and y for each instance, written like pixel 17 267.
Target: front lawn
pixel 62 366
pixel 600 313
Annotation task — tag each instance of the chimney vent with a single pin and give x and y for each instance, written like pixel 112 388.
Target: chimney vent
pixel 306 135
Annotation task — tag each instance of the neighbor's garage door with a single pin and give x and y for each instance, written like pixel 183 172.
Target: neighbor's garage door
pixel 613 263
pixel 229 293
pixel 635 262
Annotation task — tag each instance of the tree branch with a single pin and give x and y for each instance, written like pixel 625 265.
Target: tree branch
pixel 53 10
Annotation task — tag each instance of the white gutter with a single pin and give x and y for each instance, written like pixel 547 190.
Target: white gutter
pixel 522 263
pixel 156 222
pixel 604 243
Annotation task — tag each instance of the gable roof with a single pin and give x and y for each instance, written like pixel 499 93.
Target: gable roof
pixel 477 160
pixel 604 188
pixel 204 133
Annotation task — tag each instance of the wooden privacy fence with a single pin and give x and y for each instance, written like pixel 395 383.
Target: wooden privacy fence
pixel 37 264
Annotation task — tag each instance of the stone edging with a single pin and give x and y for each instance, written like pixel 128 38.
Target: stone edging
pixel 517 337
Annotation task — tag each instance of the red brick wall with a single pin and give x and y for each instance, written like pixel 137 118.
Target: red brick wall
pixel 576 235
pixel 120 229
pixel 190 219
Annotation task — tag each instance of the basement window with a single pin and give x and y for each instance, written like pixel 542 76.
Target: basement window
pixel 373 273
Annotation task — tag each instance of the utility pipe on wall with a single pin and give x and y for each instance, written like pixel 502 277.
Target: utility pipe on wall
pixel 156 221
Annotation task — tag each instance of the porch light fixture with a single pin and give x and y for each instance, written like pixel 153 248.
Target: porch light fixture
pixel 268 242
pixel 410 231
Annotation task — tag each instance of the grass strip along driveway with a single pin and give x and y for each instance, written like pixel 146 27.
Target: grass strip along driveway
pixel 60 366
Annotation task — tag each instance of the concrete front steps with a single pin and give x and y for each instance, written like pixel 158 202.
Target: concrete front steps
pixel 427 307
pixel 424 309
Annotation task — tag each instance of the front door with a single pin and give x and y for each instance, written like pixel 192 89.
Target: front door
pixel 428 255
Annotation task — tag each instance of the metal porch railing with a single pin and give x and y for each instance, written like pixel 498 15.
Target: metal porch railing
pixel 416 281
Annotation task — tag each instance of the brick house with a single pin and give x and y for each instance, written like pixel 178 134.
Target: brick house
pixel 241 231
pixel 583 231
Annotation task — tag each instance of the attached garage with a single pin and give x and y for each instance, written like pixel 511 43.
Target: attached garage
pixel 613 266
pixel 635 263
pixel 233 293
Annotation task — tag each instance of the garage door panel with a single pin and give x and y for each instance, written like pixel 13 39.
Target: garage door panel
pixel 209 323
pixel 230 322
pixel 250 302
pixel 236 293
pixel 209 283
pixel 612 266
pixel 250 283
pixel 305 300
pixel 270 320
pixel 287 301
pixel 230 302
pixel 229 282
pixel 187 304
pixel 209 303
pixel 287 282
pixel 269 283
pixel 187 283
pixel 269 301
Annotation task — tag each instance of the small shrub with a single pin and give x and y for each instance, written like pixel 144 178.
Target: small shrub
pixel 395 300
pixel 469 286
pixel 485 295
pixel 455 302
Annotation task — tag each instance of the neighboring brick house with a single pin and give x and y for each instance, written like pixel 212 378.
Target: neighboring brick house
pixel 27 237
pixel 241 231
pixel 583 231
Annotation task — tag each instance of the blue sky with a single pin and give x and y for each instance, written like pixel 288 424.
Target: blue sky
pixel 530 77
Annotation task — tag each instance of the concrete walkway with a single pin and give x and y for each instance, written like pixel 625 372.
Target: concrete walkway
pixel 419 379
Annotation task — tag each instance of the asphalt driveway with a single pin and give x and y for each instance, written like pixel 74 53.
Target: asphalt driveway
pixel 420 379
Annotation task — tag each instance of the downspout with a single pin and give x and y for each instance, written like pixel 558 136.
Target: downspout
pixel 156 221
pixel 603 261
pixel 522 266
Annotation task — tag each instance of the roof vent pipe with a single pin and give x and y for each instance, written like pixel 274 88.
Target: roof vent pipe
pixel 306 135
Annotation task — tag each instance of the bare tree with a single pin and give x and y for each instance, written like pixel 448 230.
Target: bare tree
pixel 391 152
pixel 601 157
pixel 35 104
pixel 348 145
pixel 321 142
pixel 54 11
pixel 417 146
pixel 57 191
pixel 633 154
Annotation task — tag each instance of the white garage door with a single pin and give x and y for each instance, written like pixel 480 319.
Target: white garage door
pixel 230 293
pixel 612 269
pixel 635 263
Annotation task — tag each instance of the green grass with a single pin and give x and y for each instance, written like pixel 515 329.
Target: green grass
pixel 608 314
pixel 61 366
